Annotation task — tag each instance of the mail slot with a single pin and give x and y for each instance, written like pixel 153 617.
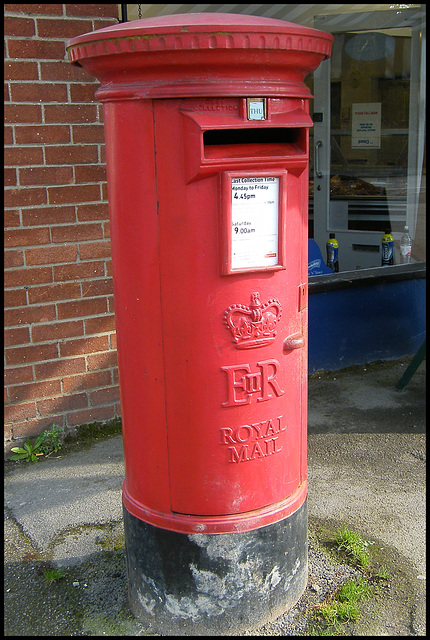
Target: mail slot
pixel 207 150
pixel 272 135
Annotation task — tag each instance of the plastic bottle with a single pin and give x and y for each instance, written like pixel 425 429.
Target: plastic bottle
pixel 405 247
pixel 387 248
pixel 333 253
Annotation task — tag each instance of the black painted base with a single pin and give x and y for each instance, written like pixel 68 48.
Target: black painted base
pixel 215 584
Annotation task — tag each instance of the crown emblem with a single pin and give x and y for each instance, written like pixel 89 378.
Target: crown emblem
pixel 253 325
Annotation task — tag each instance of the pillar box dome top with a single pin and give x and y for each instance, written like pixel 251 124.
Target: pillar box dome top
pixel 201 54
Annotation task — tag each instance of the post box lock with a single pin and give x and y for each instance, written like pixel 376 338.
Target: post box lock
pixel 295 341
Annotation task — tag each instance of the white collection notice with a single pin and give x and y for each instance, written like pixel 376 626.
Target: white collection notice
pixel 254 218
pixel 366 125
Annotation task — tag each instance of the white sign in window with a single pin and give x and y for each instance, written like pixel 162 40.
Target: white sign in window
pixel 366 125
pixel 254 222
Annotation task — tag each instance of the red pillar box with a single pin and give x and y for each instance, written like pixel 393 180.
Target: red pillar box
pixel 207 150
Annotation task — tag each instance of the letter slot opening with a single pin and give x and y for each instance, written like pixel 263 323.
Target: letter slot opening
pixel 245 142
pixel 268 135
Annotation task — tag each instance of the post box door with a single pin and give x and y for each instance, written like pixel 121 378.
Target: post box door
pixel 233 332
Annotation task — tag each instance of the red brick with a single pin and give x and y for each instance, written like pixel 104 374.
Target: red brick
pixel 15 375
pixel 72 154
pixel 99 414
pixel 106 230
pixel 35 426
pixel 24 197
pixel 48 216
pixel 45 175
pixel 48 9
pixel 83 92
pixel 98 361
pixel 23 156
pixel 90 173
pixel 93 288
pixel 96 211
pixel 87 381
pixel 33 390
pixel 81 308
pixel 11 219
pixel 10 179
pixel 36 49
pixel 59 368
pixel 54 292
pixel 13 259
pixel 77 232
pixel 56 331
pixel 34 353
pixel 37 92
pixel 51 255
pixel 79 271
pixel 93 10
pixel 29 315
pixel 26 237
pixel 108 395
pixel 83 346
pixel 104 190
pixel 7 135
pixel 15 113
pixel 16 336
pixel 70 113
pixel 90 250
pixel 63 404
pixel 54 71
pixel 100 24
pixel 8 433
pixel 61 27
pixel 15 298
pixel 20 70
pixel 63 201
pixel 89 133
pixel 74 193
pixel 100 325
pixel 13 26
pixel 27 277
pixel 115 375
pixel 23 411
pixel 43 134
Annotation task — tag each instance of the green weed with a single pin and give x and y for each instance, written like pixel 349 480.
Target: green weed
pixel 52 575
pixel 382 573
pixel 354 546
pixel 52 440
pixel 45 444
pixel 30 451
pixel 343 605
pixel 354 591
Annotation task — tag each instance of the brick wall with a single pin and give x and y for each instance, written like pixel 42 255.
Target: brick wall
pixel 60 357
